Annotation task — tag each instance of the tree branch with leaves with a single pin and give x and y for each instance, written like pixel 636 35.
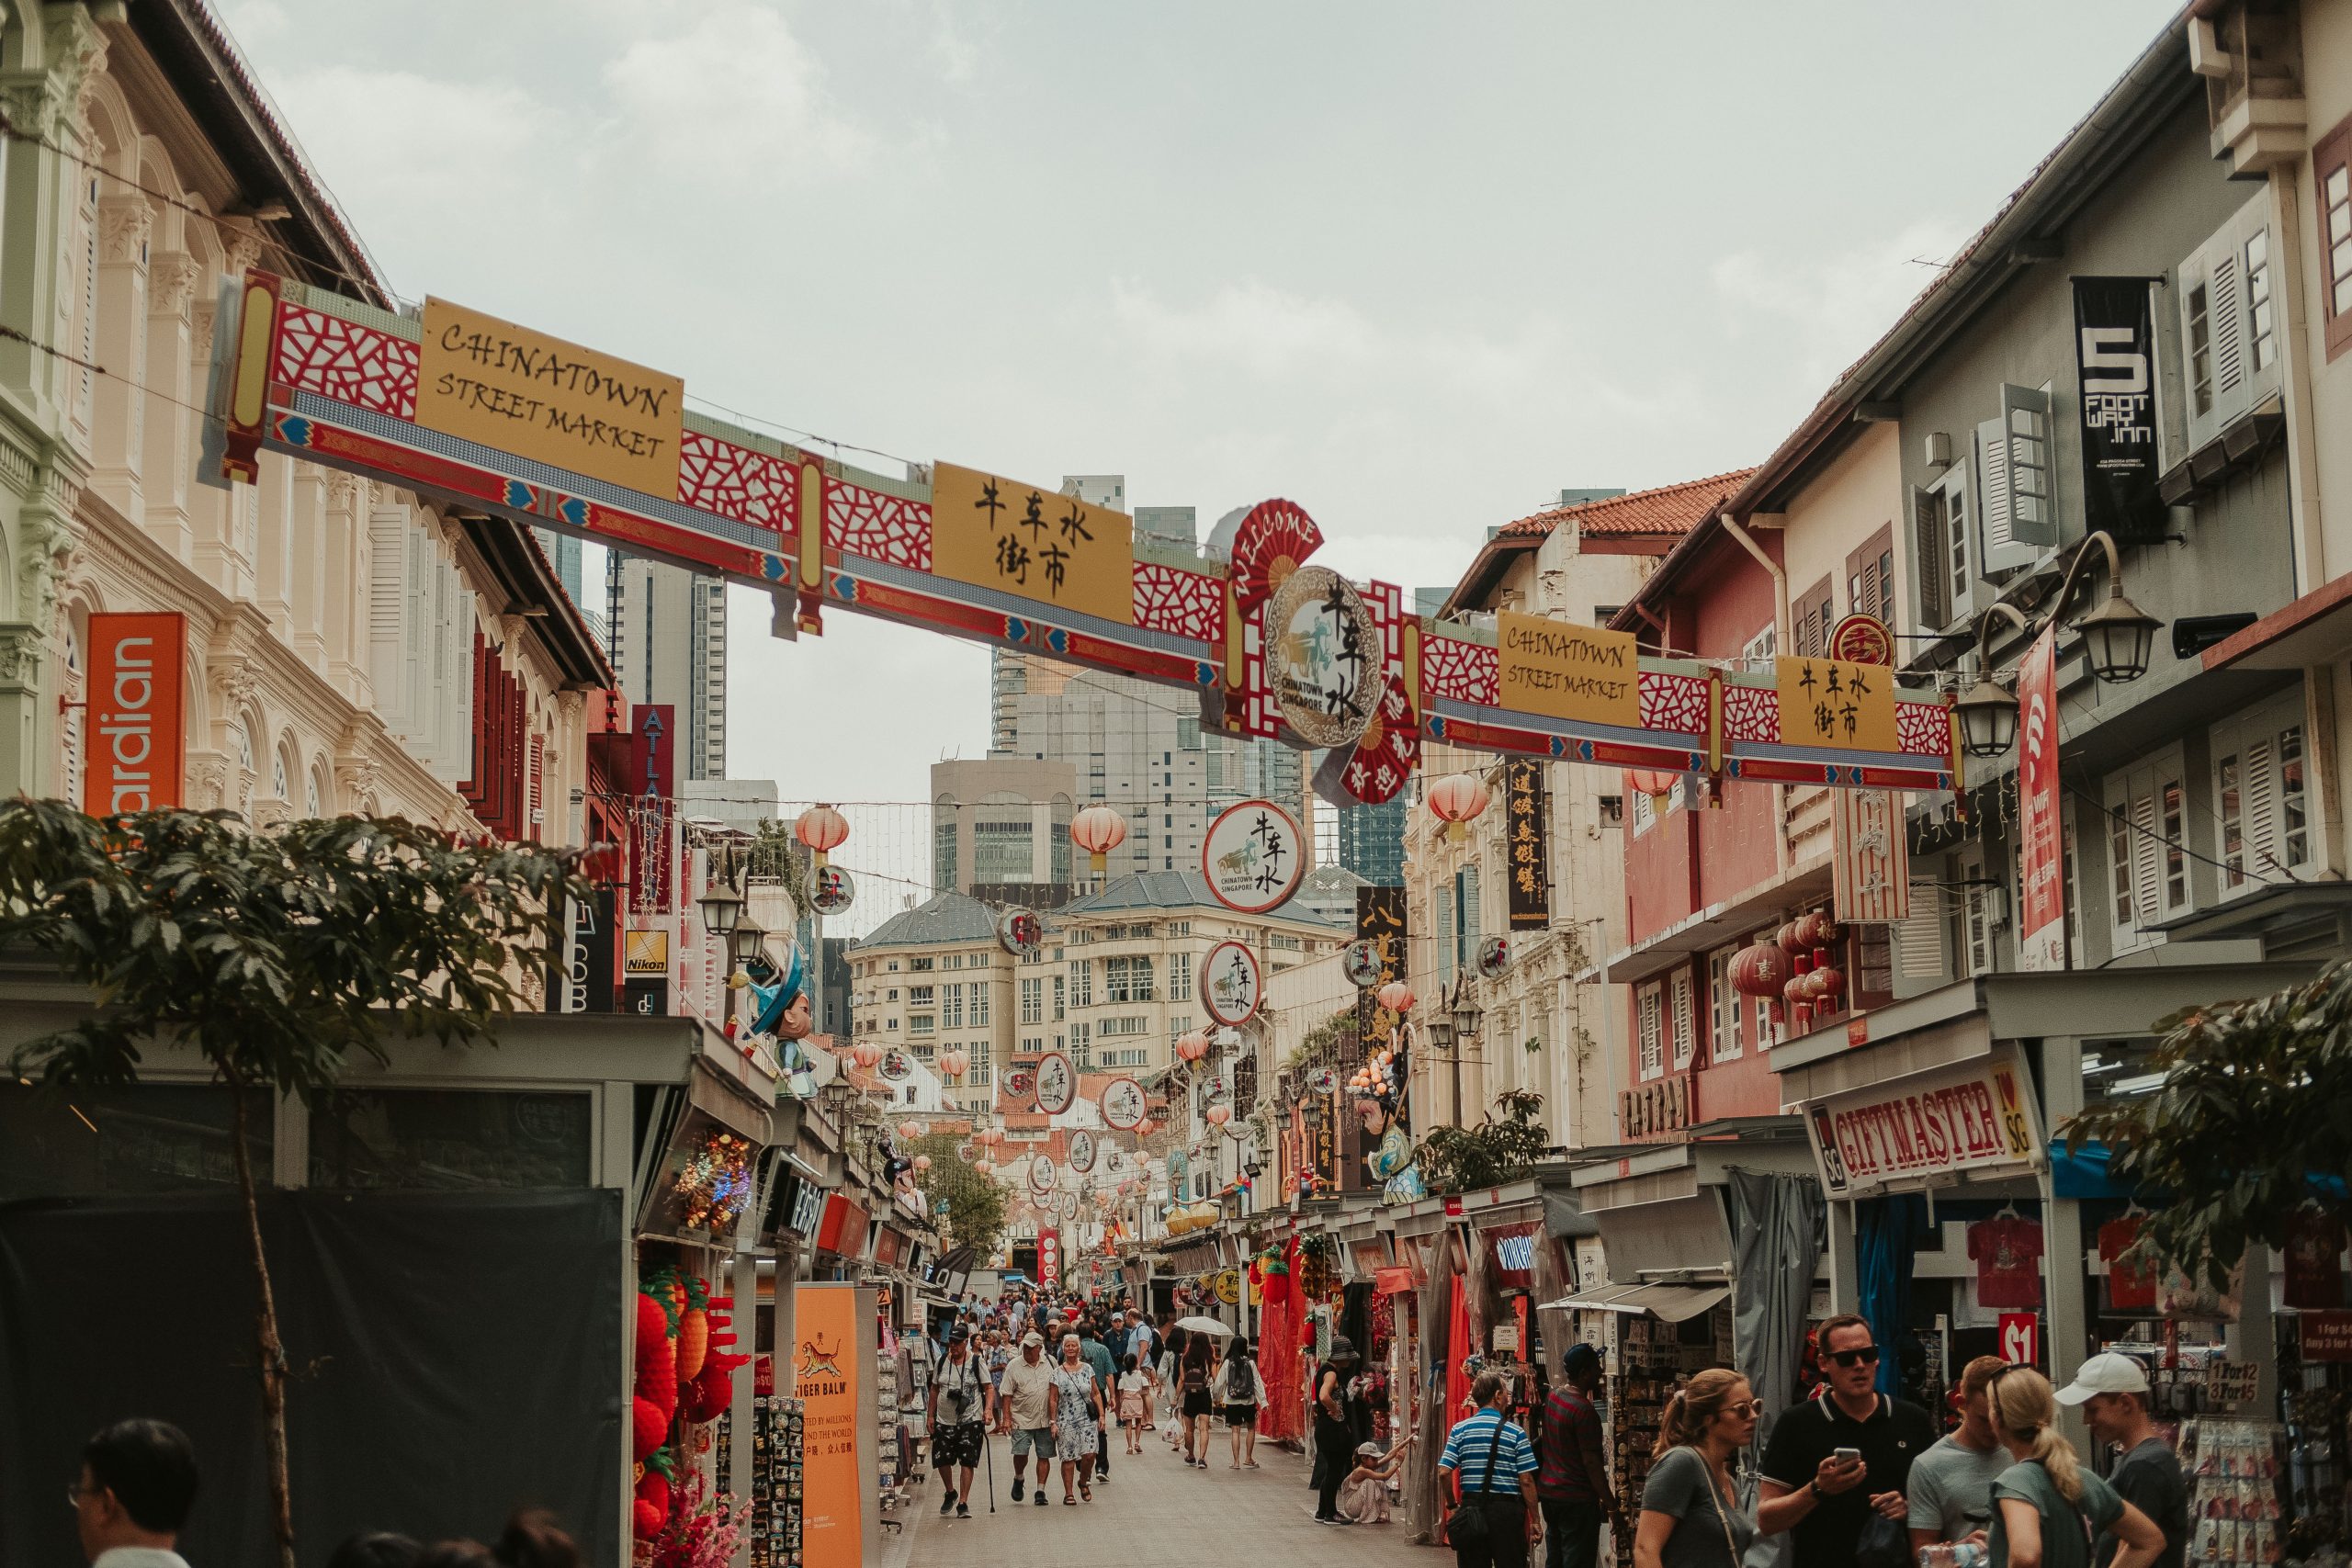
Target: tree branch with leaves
pixel 279 957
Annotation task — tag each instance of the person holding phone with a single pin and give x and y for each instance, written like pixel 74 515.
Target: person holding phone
pixel 1833 1462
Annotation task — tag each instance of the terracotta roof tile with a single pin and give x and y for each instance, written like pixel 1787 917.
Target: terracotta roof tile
pixel 1666 513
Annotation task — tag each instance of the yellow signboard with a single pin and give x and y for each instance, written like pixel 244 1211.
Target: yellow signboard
pixel 825 1376
pixel 997 533
pixel 1565 670
pixel 645 953
pixel 519 391
pixel 1829 702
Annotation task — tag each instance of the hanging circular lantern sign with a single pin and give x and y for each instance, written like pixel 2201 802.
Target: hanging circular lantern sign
pixel 1232 983
pixel 1020 1082
pixel 1068 1206
pixel 1081 1152
pixel 1360 962
pixel 1861 639
pixel 1041 1176
pixel 897 1066
pixel 1494 957
pixel 1228 1286
pixel 966 1152
pixel 1322 1080
pixel 1021 933
pixel 831 890
pixel 1056 1083
pixel 1323 662
pixel 1124 1104
pixel 1252 856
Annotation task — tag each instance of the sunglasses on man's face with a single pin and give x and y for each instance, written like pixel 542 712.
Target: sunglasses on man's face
pixel 1865 1357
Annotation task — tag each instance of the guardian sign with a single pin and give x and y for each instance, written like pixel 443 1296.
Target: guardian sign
pixel 134 728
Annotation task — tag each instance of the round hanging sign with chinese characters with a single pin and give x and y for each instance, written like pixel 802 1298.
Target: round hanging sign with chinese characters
pixel 1323 662
pixel 1068 1206
pixel 1124 1104
pixel 831 890
pixel 1251 857
pixel 1232 984
pixel 1081 1152
pixel 1041 1176
pixel 1360 962
pixel 1021 933
pixel 1056 1083
pixel 1862 639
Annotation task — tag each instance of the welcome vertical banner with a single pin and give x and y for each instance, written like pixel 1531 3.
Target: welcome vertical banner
pixel 2041 851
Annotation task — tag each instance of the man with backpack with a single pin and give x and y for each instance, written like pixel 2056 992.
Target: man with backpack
pixel 961 1403
pixel 1241 1389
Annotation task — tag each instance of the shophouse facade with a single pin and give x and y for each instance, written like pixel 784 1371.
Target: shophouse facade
pixel 935 979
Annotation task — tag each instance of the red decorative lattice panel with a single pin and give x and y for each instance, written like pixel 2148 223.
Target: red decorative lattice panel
pixel 1924 730
pixel 861 522
pixel 1184 602
pixel 1460 672
pixel 351 364
pixel 1672 702
pixel 1752 713
pixel 722 478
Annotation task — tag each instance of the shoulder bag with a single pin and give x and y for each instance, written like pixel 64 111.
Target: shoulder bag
pixel 1465 1528
pixel 1723 1509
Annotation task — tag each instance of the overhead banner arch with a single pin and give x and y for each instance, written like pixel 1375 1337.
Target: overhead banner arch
pixel 494 418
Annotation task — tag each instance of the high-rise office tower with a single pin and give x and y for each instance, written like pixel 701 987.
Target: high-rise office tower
pixel 667 637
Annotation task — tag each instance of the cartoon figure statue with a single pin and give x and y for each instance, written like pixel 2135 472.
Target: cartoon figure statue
pixel 782 1011
pixel 1390 1160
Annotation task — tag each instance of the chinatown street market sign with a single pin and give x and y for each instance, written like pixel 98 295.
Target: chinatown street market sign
pixel 1976 1118
pixel 486 417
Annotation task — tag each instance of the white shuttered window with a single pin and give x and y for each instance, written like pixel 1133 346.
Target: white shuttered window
pixel 2147 823
pixel 1648 1029
pixel 1682 1024
pixel 2261 803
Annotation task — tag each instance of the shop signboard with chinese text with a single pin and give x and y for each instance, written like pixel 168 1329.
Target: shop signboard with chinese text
pixel 1833 702
pixel 1976 1118
pixel 1526 845
pixel 1016 538
pixel 831 1364
pixel 1870 857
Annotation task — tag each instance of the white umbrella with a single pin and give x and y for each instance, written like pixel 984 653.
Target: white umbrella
pixel 1202 1326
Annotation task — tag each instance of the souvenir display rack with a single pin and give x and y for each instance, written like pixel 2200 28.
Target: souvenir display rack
pixel 2232 1466
pixel 776 1436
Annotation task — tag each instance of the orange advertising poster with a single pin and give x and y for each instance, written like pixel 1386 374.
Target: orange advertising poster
pixel 135 726
pixel 825 1377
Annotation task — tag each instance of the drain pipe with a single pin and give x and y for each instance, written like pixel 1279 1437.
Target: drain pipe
pixel 1783 646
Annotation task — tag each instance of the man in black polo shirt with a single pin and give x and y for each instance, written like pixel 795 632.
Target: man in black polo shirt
pixel 1805 1488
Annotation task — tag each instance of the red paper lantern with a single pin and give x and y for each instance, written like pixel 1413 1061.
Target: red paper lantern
pixel 1655 782
pixel 1218 1115
pixel 1396 996
pixel 1098 830
pixel 1789 940
pixel 865 1053
pixel 1793 990
pixel 1827 983
pixel 821 829
pixel 1455 799
pixel 1759 970
pixel 1815 929
pixel 953 1061
pixel 1193 1046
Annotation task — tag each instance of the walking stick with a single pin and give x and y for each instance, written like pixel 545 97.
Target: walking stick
pixel 988 1447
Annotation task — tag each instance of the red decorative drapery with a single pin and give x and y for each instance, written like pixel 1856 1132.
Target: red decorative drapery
pixel 1280 1325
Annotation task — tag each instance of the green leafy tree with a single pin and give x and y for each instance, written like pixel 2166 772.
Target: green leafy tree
pixel 1504 1148
pixel 280 957
pixel 975 1202
pixel 2252 1122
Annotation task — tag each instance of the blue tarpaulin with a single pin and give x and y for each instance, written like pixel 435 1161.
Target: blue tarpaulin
pixel 2083 1173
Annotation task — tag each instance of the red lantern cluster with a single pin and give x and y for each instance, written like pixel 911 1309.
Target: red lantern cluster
pixel 1814 987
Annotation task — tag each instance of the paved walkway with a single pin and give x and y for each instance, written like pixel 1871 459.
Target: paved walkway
pixel 1154 1512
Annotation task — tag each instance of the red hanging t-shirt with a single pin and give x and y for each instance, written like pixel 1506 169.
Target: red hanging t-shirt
pixel 2008 1259
pixel 2128 1289
pixel 2315 1245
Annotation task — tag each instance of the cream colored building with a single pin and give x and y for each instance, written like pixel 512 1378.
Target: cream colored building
pixel 1546 1023
pixel 336 628
pixel 934 977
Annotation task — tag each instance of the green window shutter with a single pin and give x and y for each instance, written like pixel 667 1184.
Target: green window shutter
pixel 1933 558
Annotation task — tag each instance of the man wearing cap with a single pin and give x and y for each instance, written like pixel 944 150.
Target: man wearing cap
pixel 1572 1484
pixel 1026 1384
pixel 2113 1391
pixel 960 1399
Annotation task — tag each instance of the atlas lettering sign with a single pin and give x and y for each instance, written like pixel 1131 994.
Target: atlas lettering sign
pixel 134 731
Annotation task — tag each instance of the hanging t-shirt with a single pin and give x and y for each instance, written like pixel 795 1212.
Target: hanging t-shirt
pixel 2008 1262
pixel 2129 1288
pixel 2315 1268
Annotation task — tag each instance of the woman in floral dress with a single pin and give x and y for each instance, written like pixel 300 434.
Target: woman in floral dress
pixel 1077 1412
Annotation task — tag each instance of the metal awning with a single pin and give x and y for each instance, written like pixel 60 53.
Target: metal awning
pixel 1669 1304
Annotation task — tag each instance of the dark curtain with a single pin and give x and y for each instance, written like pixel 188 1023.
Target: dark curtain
pixel 429 1333
pixel 1887 1247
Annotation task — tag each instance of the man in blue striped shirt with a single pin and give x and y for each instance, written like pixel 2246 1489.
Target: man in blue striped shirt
pixel 1489 1458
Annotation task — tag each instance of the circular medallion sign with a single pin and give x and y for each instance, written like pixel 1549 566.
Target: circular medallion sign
pixel 1124 1104
pixel 1081 1152
pixel 1232 985
pixel 1322 1080
pixel 1324 666
pixel 966 1152
pixel 1228 1285
pixel 896 1066
pixel 1360 962
pixel 1041 1174
pixel 1251 856
pixel 1068 1206
pixel 831 890
pixel 1020 1082
pixel 1021 933
pixel 1494 956
pixel 1056 1083
pixel 1862 639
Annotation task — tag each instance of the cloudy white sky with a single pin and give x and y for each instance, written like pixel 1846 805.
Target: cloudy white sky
pixel 1414 266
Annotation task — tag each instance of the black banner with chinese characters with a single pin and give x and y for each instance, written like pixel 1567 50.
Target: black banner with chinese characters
pixel 2114 337
pixel 1380 921
pixel 1527 841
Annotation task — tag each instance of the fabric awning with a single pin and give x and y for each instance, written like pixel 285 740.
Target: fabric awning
pixel 1669 1304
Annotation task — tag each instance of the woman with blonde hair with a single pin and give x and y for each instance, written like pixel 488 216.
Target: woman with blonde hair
pixel 2047 1509
pixel 1690 1515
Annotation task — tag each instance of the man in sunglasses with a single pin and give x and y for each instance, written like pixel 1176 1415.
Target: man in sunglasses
pixel 1806 1488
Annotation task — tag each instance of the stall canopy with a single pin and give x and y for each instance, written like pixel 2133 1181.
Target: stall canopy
pixel 1674 1236
pixel 1671 1304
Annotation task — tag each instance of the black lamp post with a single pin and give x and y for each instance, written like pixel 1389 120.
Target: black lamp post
pixel 721 906
pixel 745 941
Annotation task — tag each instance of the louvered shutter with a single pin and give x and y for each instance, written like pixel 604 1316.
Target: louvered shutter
pixel 1931 557
pixel 1445 932
pixel 2260 785
pixel 1919 941
pixel 1681 1022
pixel 419 632
pixel 2033 513
pixel 387 612
pixel 2147 855
pixel 536 807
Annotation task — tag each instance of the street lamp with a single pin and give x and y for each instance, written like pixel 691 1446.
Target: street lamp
pixel 722 907
pixel 1465 1015
pixel 745 940
pixel 2118 637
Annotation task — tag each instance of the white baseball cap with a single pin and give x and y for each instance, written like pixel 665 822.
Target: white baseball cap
pixel 2107 1372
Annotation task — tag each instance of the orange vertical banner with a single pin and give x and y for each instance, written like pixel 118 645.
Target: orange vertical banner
pixel 825 1321
pixel 135 723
